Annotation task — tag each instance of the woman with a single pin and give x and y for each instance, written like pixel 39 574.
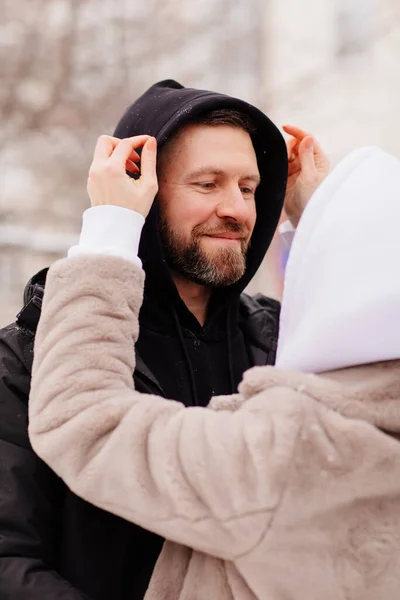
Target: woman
pixel 289 489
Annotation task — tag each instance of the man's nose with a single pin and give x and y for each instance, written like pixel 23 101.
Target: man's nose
pixel 233 205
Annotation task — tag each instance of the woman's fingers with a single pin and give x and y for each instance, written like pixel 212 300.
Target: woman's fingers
pixel 294 166
pixel 123 151
pixel 108 147
pixel 292 145
pixel 105 146
pixel 296 132
pixel 306 155
pixel 131 167
pixel 301 134
pixel 148 162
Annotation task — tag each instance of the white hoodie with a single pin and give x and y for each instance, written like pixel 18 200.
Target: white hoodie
pixel 341 296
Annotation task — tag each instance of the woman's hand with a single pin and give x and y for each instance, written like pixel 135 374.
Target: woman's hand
pixel 308 167
pixel 108 182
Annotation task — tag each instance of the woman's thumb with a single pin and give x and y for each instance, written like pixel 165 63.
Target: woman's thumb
pixel 306 155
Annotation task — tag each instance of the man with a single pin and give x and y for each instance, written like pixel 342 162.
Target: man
pixel 222 172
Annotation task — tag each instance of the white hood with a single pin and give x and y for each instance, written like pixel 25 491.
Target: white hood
pixel 341 300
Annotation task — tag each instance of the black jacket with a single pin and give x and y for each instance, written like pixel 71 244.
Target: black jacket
pixel 53 544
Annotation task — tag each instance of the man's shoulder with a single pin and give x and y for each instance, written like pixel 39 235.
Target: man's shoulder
pixel 259 321
pixel 16 358
pixel 17 339
pixel 259 305
pixel 16 349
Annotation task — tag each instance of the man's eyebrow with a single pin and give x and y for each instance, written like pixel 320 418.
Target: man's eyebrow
pixel 213 171
pixel 254 177
pixel 205 171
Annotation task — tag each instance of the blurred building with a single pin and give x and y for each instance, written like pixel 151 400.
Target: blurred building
pixel 331 67
pixel 68 68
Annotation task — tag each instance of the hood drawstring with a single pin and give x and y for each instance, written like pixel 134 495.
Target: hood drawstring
pixel 229 348
pixel 187 359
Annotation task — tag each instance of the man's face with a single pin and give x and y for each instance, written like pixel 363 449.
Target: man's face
pixel 208 176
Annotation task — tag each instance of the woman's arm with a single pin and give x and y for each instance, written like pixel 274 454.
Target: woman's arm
pixel 210 480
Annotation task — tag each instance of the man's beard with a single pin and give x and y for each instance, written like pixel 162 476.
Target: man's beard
pixel 217 268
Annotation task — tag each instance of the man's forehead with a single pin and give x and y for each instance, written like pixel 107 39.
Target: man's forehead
pixel 212 170
pixel 198 133
pixel 210 147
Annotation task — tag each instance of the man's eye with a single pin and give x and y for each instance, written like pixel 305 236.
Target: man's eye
pixel 207 185
pixel 247 190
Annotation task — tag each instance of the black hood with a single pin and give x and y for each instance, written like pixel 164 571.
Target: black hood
pixel 163 109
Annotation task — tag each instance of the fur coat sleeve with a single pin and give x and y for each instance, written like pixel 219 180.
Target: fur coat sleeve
pixel 196 476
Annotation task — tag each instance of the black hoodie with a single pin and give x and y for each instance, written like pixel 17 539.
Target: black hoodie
pixel 52 543
pixel 190 362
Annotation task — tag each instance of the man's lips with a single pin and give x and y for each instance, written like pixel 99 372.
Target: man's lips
pixel 226 235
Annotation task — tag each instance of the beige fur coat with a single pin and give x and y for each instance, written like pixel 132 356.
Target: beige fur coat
pixel 289 490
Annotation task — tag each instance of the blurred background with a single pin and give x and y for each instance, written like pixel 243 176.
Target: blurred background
pixel 69 68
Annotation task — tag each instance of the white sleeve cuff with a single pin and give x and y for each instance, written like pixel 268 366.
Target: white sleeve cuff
pixel 287 232
pixel 112 230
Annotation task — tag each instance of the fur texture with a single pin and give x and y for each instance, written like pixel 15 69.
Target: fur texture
pixel 294 493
